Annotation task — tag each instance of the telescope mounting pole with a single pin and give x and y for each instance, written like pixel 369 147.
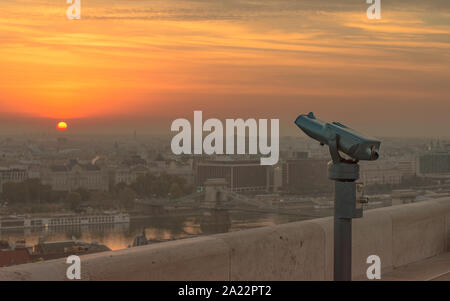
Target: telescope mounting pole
pixel 344 172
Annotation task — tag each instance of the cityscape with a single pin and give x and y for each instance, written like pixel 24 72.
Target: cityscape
pixel 61 193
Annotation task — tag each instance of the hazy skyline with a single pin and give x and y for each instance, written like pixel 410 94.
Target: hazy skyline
pixel 141 64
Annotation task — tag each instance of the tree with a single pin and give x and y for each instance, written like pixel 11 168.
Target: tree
pixel 46 193
pixel 143 185
pixel 84 193
pixel 73 200
pixel 161 186
pixel 119 186
pixel 126 197
pixel 34 188
pixel 99 196
pixel 30 190
pixel 175 191
pixel 15 192
pixel 159 157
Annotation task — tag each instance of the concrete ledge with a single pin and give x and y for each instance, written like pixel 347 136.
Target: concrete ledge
pixel 290 251
pixel 202 258
pixel 445 207
pixel 435 268
pixel 418 232
pixel 372 235
pixel 400 235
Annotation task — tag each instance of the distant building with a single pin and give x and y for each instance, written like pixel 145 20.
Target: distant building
pixel 407 168
pixel 15 175
pixel 75 175
pixel 14 256
pixel 437 162
pixel 380 173
pixel 242 175
pixel 128 175
pixel 61 142
pixel 290 154
pixel 173 167
pixel 306 176
pixel 134 160
pixel 34 172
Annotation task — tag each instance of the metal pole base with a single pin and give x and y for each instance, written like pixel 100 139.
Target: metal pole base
pixel 342 249
pixel 344 174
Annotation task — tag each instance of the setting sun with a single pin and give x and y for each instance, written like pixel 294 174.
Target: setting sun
pixel 62 126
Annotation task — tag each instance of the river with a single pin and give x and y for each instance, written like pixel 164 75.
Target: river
pixel 158 228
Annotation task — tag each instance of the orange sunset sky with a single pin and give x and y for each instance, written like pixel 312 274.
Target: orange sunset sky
pixel 141 64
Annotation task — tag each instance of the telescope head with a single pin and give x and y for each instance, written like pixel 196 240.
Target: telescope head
pixel 339 137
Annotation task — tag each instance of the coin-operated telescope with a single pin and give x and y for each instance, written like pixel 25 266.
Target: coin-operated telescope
pixel 340 137
pixel 344 171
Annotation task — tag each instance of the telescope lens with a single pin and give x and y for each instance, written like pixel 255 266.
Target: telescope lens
pixel 374 154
